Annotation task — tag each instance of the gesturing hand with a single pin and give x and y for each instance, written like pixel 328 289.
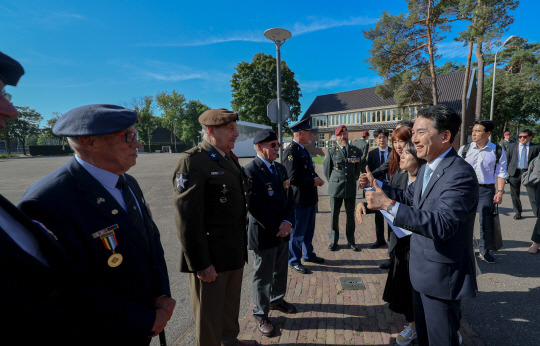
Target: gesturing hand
pixel 366 179
pixel 360 210
pixel 377 199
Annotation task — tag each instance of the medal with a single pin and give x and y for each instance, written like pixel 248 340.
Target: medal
pixel 223 199
pixel 115 260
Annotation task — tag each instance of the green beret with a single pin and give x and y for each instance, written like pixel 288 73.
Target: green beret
pixel 217 117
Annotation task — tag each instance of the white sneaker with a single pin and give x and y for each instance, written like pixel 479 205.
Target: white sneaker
pixel 460 337
pixel 406 336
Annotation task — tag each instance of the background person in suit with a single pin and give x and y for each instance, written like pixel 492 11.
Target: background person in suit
pixel 342 169
pixel 363 145
pixel 439 208
pixel 377 157
pixel 210 199
pixel 520 156
pixel 99 214
pixel 38 285
pixel 271 216
pixel 304 183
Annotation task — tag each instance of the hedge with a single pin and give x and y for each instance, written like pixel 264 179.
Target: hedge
pixel 50 150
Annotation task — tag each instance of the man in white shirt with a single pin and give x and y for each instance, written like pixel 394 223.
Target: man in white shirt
pixel 489 163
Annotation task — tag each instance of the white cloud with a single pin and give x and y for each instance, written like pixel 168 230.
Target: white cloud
pixel 339 84
pixel 313 24
pixel 452 50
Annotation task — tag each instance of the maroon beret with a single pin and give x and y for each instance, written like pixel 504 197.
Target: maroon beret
pixel 217 117
pixel 366 133
pixel 339 129
pixel 507 133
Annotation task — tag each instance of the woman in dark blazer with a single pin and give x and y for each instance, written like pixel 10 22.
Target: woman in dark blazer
pixel 398 288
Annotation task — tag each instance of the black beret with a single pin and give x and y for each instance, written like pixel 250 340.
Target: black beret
pixel 217 117
pixel 266 135
pixel 10 70
pixel 301 125
pixel 94 120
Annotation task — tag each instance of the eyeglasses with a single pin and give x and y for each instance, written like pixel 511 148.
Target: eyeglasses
pixel 523 136
pixel 130 136
pixel 5 95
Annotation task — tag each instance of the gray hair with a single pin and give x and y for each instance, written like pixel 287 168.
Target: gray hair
pixel 204 133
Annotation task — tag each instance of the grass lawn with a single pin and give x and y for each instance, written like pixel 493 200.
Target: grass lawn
pixel 318 159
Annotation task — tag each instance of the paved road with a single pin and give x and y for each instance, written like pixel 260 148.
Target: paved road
pixel 505 312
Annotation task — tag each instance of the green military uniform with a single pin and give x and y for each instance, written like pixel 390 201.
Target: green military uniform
pixel 210 197
pixel 363 146
pixel 342 170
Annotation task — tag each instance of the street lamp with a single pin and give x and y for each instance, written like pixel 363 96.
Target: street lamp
pixel 278 36
pixel 494 70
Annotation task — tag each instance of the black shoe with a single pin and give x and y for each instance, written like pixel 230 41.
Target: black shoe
pixel 377 244
pixel 332 247
pixel 385 265
pixel 487 257
pixel 315 259
pixel 354 247
pixel 266 327
pixel 284 306
pixel 518 217
pixel 299 268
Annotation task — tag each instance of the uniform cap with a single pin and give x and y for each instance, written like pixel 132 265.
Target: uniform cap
pixel 266 135
pixel 507 133
pixel 10 70
pixel 301 125
pixel 339 129
pixel 365 133
pixel 217 117
pixel 94 120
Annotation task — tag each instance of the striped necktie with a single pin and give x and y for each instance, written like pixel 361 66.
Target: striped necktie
pixel 523 158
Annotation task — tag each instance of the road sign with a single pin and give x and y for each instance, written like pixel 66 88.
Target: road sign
pixel 272 111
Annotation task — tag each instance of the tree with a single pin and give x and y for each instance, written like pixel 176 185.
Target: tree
pixel 147 121
pixel 47 136
pixel 517 87
pixel 190 123
pixel 254 86
pixel 25 125
pixel 173 107
pixel 449 67
pixel 404 51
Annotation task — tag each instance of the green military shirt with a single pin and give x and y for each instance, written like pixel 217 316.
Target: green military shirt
pixel 342 170
pixel 210 199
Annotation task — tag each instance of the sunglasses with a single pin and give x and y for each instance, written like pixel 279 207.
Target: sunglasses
pixel 523 136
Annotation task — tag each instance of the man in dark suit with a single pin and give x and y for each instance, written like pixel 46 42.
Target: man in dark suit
pixel 304 183
pixel 520 156
pixel 342 169
pixel 439 208
pixel 376 158
pixel 271 216
pixel 363 145
pixel 38 286
pixel 210 200
pixel 101 217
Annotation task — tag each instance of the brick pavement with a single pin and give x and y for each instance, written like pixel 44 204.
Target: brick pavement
pixel 328 315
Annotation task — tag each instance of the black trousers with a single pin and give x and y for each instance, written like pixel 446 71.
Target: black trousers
pixel 379 227
pixel 335 206
pixel 515 187
pixel 485 209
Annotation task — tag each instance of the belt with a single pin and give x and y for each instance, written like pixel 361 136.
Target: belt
pixel 521 170
pixel 487 185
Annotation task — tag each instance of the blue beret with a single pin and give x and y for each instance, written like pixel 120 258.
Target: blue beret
pixel 94 120
pixel 10 70
pixel 267 135
pixel 301 125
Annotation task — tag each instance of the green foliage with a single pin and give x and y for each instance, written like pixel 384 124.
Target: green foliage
pixel 25 125
pixel 449 67
pixel 144 107
pixel 254 86
pixel 517 88
pixel 173 107
pixel 190 123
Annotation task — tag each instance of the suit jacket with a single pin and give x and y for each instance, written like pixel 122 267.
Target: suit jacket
pixel 34 296
pixel 513 156
pixel 269 204
pixel 302 174
pixel 442 261
pixel 342 171
pixel 73 205
pixel 210 198
pixel 374 162
pixel 363 146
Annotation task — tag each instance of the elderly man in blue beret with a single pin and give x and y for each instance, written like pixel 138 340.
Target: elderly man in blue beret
pixel 99 213
pixel 271 217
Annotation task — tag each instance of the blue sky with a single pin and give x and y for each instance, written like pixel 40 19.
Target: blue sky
pixel 83 52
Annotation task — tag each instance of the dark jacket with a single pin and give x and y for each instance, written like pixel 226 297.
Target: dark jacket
pixel 210 199
pixel 513 156
pixel 374 163
pixel 269 204
pixel 302 175
pixel 73 205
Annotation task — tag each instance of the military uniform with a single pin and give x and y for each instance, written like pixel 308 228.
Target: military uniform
pixel 342 170
pixel 363 146
pixel 302 175
pixel 210 198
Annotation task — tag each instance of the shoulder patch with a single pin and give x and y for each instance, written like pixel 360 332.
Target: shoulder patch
pixel 290 157
pixel 181 181
pixel 213 155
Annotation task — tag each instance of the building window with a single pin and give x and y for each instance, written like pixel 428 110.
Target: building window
pixel 321 136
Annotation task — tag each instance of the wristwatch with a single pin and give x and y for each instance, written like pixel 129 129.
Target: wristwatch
pixel 500 191
pixel 390 206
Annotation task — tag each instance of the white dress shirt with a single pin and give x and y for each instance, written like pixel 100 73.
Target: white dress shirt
pixel 483 162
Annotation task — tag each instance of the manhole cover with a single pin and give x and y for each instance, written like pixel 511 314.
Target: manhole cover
pixel 331 236
pixel 352 283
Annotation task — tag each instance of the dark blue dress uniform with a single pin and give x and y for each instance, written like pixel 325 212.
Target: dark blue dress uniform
pixel 302 175
pixel 74 205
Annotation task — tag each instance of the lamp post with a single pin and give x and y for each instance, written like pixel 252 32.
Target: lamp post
pixel 494 70
pixel 278 36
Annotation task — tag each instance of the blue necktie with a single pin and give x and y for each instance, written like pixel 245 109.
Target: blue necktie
pixel 427 174
pixel 523 158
